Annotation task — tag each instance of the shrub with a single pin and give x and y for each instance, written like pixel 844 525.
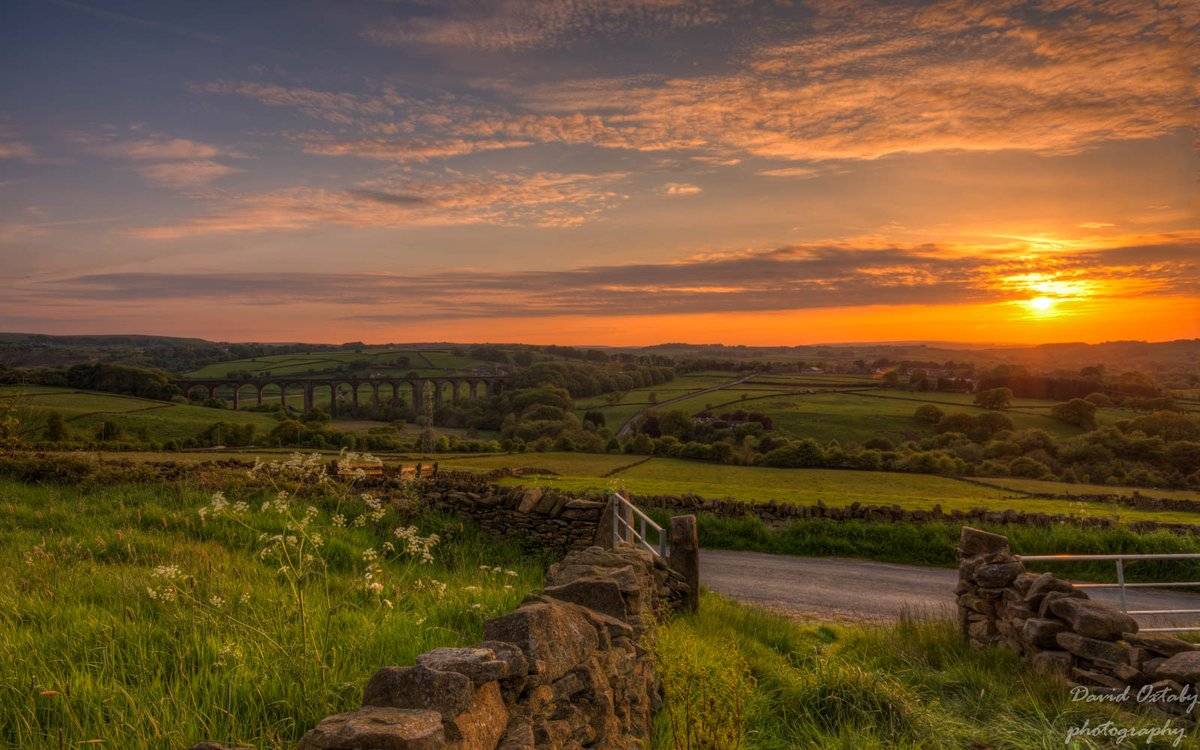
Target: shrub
pixel 928 413
pixel 994 398
pixel 1076 412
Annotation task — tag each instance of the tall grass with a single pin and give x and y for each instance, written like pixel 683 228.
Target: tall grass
pixel 805 685
pixel 934 543
pixel 87 653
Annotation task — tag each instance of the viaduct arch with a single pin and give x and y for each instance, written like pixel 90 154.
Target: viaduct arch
pixel 439 389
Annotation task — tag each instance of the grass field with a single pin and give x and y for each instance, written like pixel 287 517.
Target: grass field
pixel 84 411
pixel 834 487
pixel 1067 489
pixel 225 649
pixel 738 677
pixel 381 361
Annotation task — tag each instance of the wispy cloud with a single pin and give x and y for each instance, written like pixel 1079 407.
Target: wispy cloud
pixel 787 278
pixel 186 174
pixel 179 163
pixel 544 199
pixel 679 189
pixel 521 24
pixel 16 150
pixel 853 81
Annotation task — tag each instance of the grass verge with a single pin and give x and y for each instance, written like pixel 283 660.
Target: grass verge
pixel 737 677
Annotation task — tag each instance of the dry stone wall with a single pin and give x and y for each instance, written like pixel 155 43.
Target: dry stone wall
pixel 544 518
pixel 570 668
pixel 1059 629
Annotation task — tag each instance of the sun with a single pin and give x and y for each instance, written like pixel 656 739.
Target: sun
pixel 1041 304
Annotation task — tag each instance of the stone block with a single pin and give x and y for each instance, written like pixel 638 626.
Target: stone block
pixel 1182 667
pixel 479 664
pixel 972 542
pixel 377 728
pixel 1041 632
pixel 1093 648
pixel 600 594
pixel 554 636
pixel 1159 643
pixel 1089 677
pixel 483 723
pixel 997 575
pixel 1052 662
pixel 448 693
pixel 1093 619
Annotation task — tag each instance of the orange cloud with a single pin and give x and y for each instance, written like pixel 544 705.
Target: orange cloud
pixel 544 199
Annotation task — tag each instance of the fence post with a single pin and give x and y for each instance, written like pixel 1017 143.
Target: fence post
pixel 685 557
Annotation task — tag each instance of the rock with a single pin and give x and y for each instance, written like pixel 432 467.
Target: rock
pixel 1093 619
pixel 1041 633
pixel 1044 584
pixel 600 594
pixel 972 542
pixel 483 723
pixel 553 636
pixel 1093 648
pixel 1131 675
pixel 1097 678
pixel 516 665
pixel 982 630
pixel 997 575
pixel 1053 596
pixel 530 499
pixel 1052 662
pixel 448 693
pixel 1166 645
pixel 478 664
pixel 1182 667
pixel 377 728
pixel 518 735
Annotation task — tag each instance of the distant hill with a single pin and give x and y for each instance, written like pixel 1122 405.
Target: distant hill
pixel 1176 361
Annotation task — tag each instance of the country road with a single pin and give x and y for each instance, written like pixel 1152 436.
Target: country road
pixel 845 589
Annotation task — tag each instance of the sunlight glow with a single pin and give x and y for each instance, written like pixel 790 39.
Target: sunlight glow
pixel 1042 304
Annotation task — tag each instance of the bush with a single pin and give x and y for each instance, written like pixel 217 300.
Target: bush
pixel 994 398
pixel 928 413
pixel 1076 412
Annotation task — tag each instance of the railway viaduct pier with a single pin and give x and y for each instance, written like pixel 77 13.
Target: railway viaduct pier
pixel 439 388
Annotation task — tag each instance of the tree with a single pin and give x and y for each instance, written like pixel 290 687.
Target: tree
pixel 676 423
pixel 56 428
pixel 994 398
pixel 1076 412
pixel 928 413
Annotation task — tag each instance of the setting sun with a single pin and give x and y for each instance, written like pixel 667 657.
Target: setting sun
pixel 1042 304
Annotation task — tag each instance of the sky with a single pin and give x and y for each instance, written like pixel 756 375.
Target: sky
pixel 614 172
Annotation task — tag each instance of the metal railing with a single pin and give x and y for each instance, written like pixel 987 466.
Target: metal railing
pixel 1122 584
pixel 630 524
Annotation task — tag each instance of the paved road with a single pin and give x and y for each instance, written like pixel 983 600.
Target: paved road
pixel 845 589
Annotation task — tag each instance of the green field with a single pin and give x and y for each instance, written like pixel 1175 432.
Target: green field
pixel 834 487
pixel 225 648
pixel 84 411
pixel 1068 489
pixel 375 361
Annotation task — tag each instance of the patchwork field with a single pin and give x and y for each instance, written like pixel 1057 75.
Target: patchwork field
pixel 377 361
pixel 668 476
pixel 1068 489
pixel 85 411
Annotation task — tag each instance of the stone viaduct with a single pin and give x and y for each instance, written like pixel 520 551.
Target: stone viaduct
pixel 439 387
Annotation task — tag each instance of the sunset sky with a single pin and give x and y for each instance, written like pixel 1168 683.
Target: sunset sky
pixel 601 171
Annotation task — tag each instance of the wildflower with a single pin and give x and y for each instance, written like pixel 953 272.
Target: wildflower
pixel 216 601
pixel 339 521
